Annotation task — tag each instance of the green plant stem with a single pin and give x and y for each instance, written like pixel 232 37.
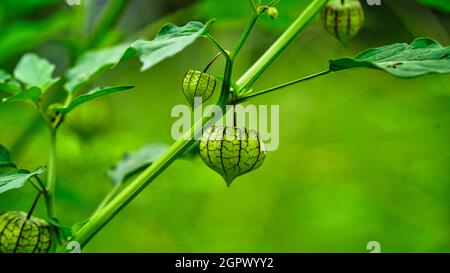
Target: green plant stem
pixel 37 183
pixel 245 34
pixel 51 178
pixel 108 19
pixel 218 45
pixel 102 217
pixel 36 200
pixel 245 97
pixel 286 39
pixel 113 192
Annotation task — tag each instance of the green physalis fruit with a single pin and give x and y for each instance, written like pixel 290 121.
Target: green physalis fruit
pixel 343 18
pixel 232 151
pixel 21 235
pixel 273 12
pixel 198 84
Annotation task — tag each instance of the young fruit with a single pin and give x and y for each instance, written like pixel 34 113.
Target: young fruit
pixel 198 84
pixel 273 12
pixel 21 235
pixel 343 18
pixel 232 151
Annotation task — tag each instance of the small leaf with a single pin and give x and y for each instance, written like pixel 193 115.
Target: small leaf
pixel 135 161
pixel 91 65
pixel 170 40
pixel 8 83
pixel 65 231
pixel 423 56
pixel 95 93
pixel 4 76
pixel 17 178
pixel 34 71
pixel 5 157
pixel 33 94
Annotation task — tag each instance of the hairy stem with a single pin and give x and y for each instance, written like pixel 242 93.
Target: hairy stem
pixel 286 39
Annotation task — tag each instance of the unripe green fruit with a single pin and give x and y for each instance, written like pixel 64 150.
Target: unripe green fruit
pixel 273 12
pixel 232 151
pixel 198 84
pixel 21 235
pixel 343 18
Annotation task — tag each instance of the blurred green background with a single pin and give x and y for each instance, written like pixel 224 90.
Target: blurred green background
pixel 363 156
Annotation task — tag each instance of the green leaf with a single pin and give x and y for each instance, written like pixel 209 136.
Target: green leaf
pixel 169 41
pixel 133 162
pixel 5 157
pixel 17 178
pixel 95 93
pixel 34 71
pixel 65 231
pixel 4 76
pixel 423 56
pixel 440 4
pixel 33 94
pixel 8 83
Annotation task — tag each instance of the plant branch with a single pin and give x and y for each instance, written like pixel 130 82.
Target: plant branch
pixel 262 92
pixel 51 178
pixel 102 217
pixel 113 192
pixel 36 200
pixel 211 62
pixel 218 45
pixel 283 42
pixel 244 35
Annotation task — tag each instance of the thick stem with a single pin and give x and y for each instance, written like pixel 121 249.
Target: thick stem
pixel 286 39
pixel 114 191
pixel 51 178
pixel 104 215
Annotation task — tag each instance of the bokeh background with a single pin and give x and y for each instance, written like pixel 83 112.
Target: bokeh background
pixel 363 156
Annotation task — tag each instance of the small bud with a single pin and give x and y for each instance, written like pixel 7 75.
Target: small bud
pixel 273 12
